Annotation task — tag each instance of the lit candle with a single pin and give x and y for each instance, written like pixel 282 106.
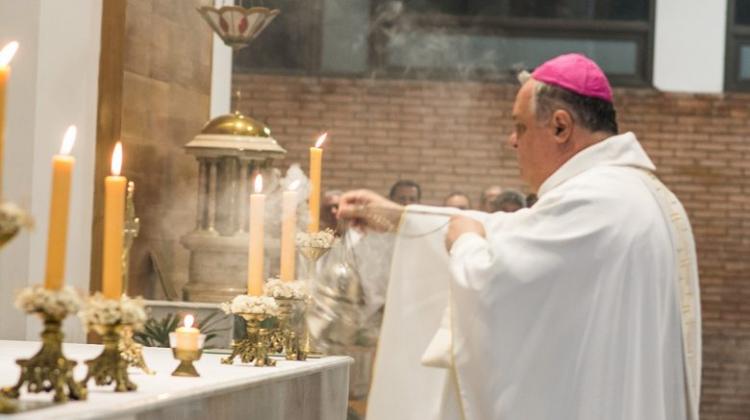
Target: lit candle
pixel 57 234
pixel 316 162
pixel 6 54
pixel 114 219
pixel 187 337
pixel 255 251
pixel 288 231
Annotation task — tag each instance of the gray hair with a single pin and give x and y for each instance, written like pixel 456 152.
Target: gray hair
pixel 509 196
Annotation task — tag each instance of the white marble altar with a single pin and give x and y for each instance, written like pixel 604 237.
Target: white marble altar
pixel 310 390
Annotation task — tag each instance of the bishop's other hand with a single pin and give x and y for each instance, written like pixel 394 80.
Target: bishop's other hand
pixel 365 209
pixel 458 226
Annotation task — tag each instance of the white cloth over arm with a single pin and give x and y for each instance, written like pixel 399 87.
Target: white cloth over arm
pixel 570 310
pixel 402 387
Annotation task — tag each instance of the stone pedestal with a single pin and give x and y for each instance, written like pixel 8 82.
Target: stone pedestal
pixel 218 265
pixel 230 150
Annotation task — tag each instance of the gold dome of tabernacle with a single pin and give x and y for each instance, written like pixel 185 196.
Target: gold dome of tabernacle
pixel 236 124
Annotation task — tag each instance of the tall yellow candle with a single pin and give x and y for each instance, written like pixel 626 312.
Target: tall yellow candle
pixel 187 337
pixel 114 219
pixel 57 234
pixel 6 54
pixel 288 231
pixel 255 247
pixel 316 163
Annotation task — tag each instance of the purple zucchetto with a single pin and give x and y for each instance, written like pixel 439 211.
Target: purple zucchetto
pixel 576 73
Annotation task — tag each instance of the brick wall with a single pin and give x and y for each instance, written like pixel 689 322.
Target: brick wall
pixel 451 136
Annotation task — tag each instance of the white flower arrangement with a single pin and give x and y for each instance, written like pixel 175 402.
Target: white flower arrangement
pixel 102 311
pixel 246 304
pixel 57 303
pixel 279 289
pixel 12 218
pixel 321 239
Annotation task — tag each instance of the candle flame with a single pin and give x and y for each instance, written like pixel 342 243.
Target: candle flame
pixel 321 140
pixel 258 183
pixel 117 159
pixel 69 140
pixel 188 321
pixel 294 185
pixel 7 53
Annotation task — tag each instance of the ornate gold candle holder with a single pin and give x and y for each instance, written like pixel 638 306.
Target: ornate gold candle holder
pixel 286 336
pixel 132 352
pixel 289 296
pixel 312 246
pixel 110 367
pixel 8 405
pixel 256 346
pixel 186 358
pixel 110 318
pixel 48 370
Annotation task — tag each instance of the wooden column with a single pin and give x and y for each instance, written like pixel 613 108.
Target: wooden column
pixel 108 119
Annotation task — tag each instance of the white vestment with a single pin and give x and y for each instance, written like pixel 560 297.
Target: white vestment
pixel 584 307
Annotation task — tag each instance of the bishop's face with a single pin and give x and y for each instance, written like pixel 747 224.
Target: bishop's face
pixel 533 140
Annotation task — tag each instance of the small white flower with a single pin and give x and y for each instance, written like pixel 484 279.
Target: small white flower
pixel 321 239
pixel 57 303
pixel 279 289
pixel 102 311
pixel 251 304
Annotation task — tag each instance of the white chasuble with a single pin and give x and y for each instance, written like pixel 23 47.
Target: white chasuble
pixel 584 307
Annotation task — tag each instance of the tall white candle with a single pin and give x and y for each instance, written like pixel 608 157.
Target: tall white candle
pixel 62 174
pixel 316 164
pixel 6 55
pixel 288 231
pixel 255 251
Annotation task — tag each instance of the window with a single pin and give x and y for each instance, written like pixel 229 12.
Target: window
pixel 737 73
pixel 493 39
pixel 453 39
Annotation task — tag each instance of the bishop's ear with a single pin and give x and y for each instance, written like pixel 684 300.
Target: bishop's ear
pixel 562 125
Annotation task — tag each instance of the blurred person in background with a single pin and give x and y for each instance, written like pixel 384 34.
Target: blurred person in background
pixel 406 192
pixel 489 194
pixel 458 200
pixel 508 201
pixel 329 206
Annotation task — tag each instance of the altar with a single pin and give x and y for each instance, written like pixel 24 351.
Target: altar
pixel 314 389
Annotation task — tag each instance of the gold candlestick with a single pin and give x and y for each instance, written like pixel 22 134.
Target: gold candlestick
pixel 131 229
pixel 49 370
pixel 312 246
pixel 254 348
pixel 110 366
pixel 8 405
pixel 285 337
pixel 111 318
pixel 132 352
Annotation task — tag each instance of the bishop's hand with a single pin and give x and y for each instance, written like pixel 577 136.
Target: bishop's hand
pixel 367 210
pixel 458 226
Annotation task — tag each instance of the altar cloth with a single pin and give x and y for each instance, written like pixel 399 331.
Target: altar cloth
pixel 313 389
